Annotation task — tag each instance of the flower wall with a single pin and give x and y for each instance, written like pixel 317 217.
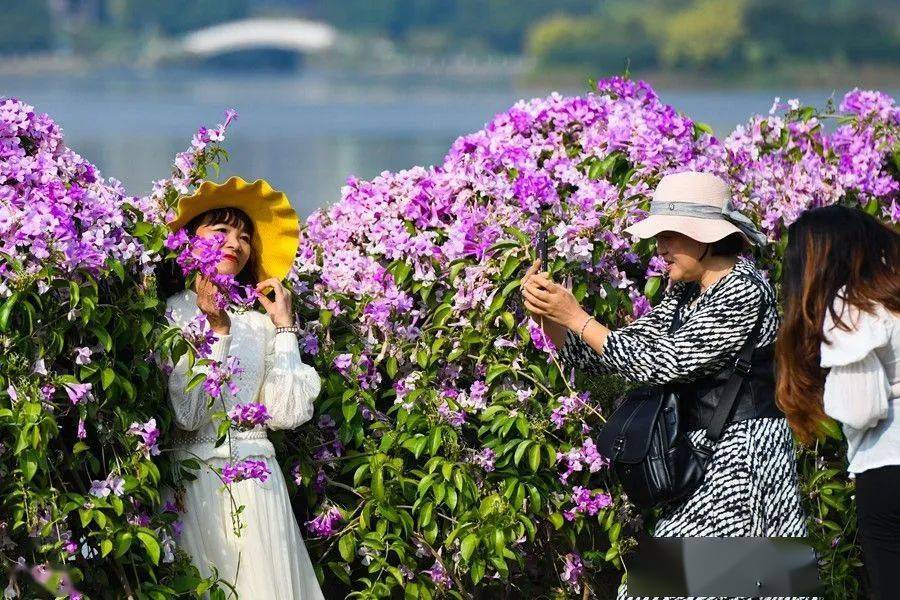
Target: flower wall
pixel 454 454
pixel 451 453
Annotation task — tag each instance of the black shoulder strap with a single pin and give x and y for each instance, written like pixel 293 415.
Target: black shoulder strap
pixel 742 365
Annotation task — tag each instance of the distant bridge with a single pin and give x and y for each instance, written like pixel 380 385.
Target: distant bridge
pixel 292 35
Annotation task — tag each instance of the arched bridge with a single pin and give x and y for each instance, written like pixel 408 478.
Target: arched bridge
pixel 292 35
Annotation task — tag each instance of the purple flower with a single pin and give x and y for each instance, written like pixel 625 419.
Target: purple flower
pixel 342 363
pixel 246 469
pixel 248 416
pixel 587 502
pixel 222 375
pixel 454 417
pixel 200 335
pixel 111 485
pixel 311 344
pixel 82 356
pixel 485 459
pixel 572 571
pixel 324 525
pixel 657 267
pixel 568 405
pixel 149 436
pixel 82 431
pixel 78 392
pixel 540 340
pixel 438 575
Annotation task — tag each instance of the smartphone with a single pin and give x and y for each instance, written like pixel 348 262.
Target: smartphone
pixel 541 246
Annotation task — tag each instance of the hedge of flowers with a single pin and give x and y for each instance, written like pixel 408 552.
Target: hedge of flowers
pixel 454 454
pixel 84 423
pixel 450 455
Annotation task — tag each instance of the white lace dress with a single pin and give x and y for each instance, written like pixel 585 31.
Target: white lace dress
pixel 268 560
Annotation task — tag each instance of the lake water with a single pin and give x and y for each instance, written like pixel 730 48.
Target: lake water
pixel 305 132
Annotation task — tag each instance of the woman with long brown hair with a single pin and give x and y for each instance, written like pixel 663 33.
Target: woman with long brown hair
pixel 838 355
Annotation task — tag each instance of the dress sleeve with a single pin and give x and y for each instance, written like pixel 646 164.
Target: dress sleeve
pixel 290 386
pixel 578 353
pixel 191 408
pixel 711 337
pixel 857 389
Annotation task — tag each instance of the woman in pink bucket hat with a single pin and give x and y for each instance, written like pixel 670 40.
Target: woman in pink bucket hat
pixel 717 307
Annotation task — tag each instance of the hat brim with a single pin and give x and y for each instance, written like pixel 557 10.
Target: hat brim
pixel 276 229
pixel 705 231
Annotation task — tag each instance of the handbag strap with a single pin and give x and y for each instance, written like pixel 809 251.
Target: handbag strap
pixel 742 367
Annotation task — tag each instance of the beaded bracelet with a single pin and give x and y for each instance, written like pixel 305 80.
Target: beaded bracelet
pixel 581 333
pixel 290 329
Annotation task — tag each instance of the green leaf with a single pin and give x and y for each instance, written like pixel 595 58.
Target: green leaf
pixel 652 286
pixel 831 428
pixel 151 545
pixel 29 463
pixel 378 484
pixel 511 264
pixel 520 451
pixel 534 458
pixel 468 546
pixel 6 310
pixel 557 520
pixel 347 547
pixel 390 366
pixel 106 547
pixel 107 377
pixel 102 336
pixel 123 543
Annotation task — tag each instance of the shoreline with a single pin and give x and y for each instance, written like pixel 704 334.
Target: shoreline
pixel 516 70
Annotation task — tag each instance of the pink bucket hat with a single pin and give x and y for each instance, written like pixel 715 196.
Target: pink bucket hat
pixel 697 205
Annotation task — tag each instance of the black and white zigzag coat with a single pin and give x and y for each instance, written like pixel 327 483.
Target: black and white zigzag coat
pixel 751 487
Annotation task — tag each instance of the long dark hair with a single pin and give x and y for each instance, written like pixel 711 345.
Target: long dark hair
pixel 169 277
pixel 828 249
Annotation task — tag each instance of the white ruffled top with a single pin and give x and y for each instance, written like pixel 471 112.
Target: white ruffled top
pixel 273 374
pixel 863 385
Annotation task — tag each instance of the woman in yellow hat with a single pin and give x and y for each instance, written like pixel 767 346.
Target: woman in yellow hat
pixel 268 560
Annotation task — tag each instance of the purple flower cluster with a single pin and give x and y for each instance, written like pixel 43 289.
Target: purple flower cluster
pixel 201 256
pixel 243 470
pixel 583 458
pixel 439 575
pixel 573 568
pixel 568 405
pixel 222 374
pixel 57 214
pixel 187 169
pixel 200 335
pixel 78 392
pixel 111 485
pixel 325 524
pixel 149 436
pixel 453 417
pixel 248 416
pixel 485 459
pixel 586 503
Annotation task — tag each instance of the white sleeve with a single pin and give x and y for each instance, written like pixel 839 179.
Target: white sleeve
pixel 857 394
pixel 290 386
pixel 191 408
pixel 857 388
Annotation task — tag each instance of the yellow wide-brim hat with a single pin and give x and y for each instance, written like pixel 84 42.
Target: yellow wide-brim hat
pixel 276 230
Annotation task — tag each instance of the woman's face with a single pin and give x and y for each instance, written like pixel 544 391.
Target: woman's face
pixel 236 247
pixel 681 254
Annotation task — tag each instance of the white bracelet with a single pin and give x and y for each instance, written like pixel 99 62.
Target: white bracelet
pixel 290 329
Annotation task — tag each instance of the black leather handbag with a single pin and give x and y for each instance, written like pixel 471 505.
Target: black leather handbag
pixel 646 440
